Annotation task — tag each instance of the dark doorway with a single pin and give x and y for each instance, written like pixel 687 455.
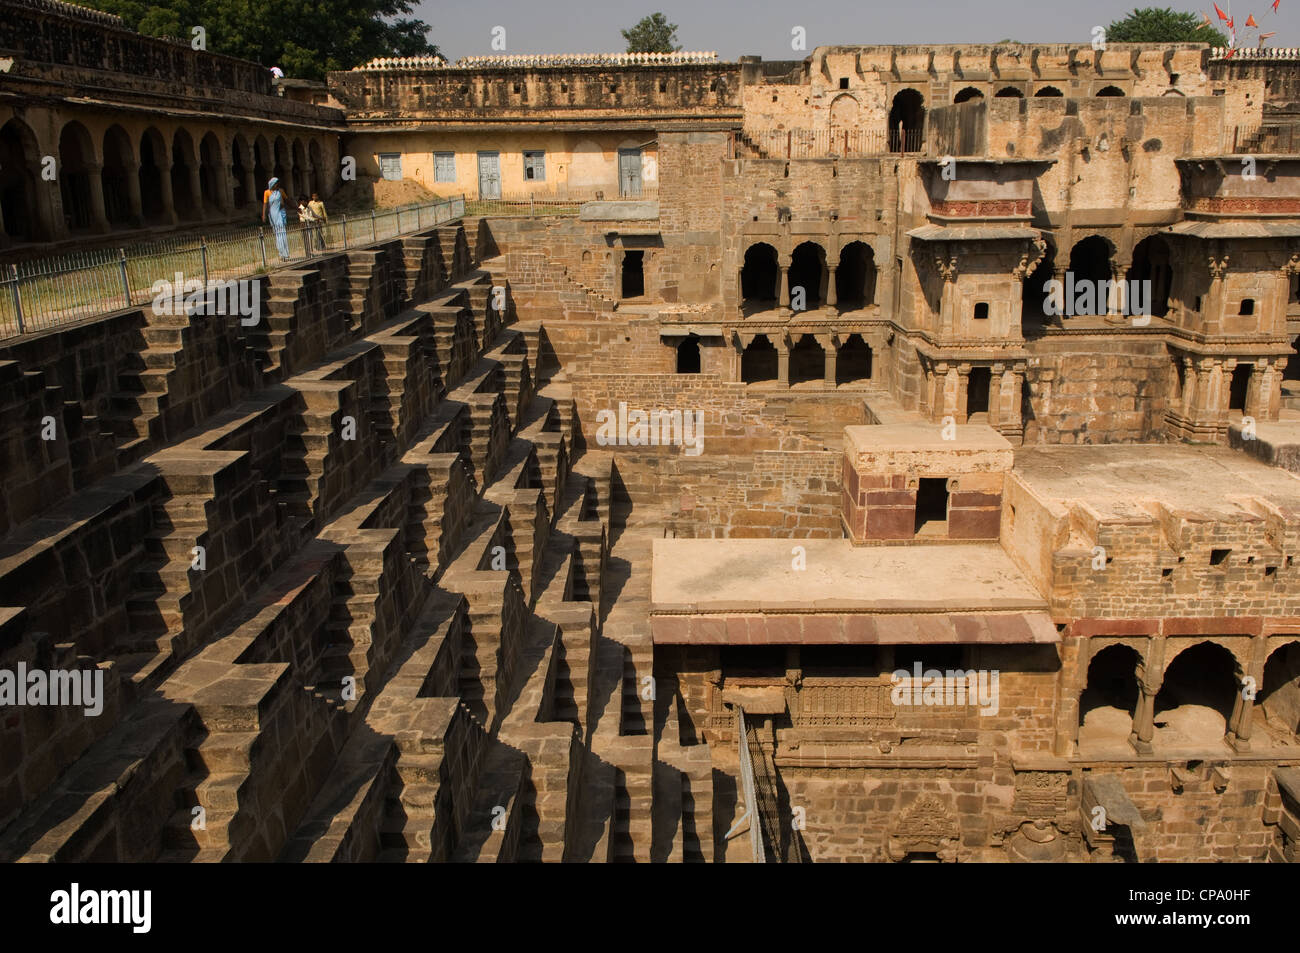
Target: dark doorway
pixel 76 157
pixel 977 391
pixel 808 271
pixel 1151 263
pixel 1112 684
pixel 906 121
pixel 1240 387
pixel 968 95
pixel 853 365
pixel 688 356
pixel 759 361
pixel 759 277
pixel 17 182
pixel 633 274
pixel 931 505
pixel 855 279
pixel 1008 92
pixel 153 161
pixel 1089 262
pixel 807 361
pixel 1201 677
pixel 1049 91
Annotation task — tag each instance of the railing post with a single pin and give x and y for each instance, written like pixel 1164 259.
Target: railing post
pixel 261 244
pixel 373 233
pixel 345 231
pixel 18 298
pixel 126 281
pixel 203 254
pixel 419 217
pixel 532 208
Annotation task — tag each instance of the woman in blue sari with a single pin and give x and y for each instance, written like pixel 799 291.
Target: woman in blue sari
pixel 275 208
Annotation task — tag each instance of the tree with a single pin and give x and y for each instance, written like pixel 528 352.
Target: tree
pixel 305 38
pixel 654 34
pixel 1162 25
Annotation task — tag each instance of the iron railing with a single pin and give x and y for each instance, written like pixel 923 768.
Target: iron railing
pixel 48 292
pixel 826 143
pixel 747 788
pixel 562 203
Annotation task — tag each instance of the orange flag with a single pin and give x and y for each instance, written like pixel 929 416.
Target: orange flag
pixel 1275 3
pixel 1222 15
pixel 1250 21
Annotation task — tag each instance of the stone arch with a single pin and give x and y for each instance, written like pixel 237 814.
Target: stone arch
pixel 808 271
pixel 239 170
pixel 1277 704
pixel 906 121
pixel 154 165
pixel 1153 262
pixel 759 361
pixel 1110 91
pixel 760 277
pixel 845 112
pixel 76 168
pixel 968 94
pixel 855 277
pixel 212 178
pixel 1090 261
pixel 807 360
pixel 1033 293
pixel 120 178
pixel 299 171
pixel 19 165
pixel 1009 92
pixel 1049 92
pixel 1109 698
pixel 1197 696
pixel 184 165
pixel 853 362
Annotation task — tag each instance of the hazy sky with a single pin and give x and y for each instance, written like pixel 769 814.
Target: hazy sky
pixel 732 27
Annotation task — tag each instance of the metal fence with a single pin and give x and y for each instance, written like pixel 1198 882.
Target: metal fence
pixel 48 292
pixel 1281 138
pixel 568 202
pixel 825 143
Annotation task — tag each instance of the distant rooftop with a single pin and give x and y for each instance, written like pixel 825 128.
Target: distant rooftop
pixel 541 61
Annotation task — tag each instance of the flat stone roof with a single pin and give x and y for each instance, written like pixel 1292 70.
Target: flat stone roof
pixel 756 575
pixel 869 438
pixel 1115 480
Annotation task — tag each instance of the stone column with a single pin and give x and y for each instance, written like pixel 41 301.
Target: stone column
pixel 997 394
pixel 783 358
pixel 830 346
pixel 963 386
pixel 832 299
pixel 784 299
pixel 1243 708
pixel 133 197
pixel 98 216
pixel 165 187
pixel 196 191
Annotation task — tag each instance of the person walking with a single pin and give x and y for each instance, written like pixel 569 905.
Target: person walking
pixel 317 208
pixel 275 209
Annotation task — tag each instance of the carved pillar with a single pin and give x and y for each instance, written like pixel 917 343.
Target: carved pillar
pixel 98 216
pixel 832 299
pixel 831 347
pixel 1149 678
pixel 783 358
pixel 946 266
pixel 784 299
pixel 1213 303
pixel 196 191
pixel 997 394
